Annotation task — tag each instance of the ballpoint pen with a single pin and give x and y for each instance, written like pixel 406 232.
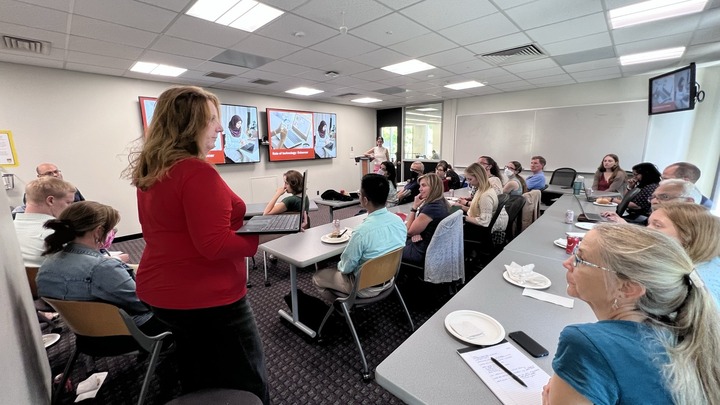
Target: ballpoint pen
pixel 508 372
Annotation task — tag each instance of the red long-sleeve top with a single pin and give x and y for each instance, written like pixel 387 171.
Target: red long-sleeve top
pixel 193 258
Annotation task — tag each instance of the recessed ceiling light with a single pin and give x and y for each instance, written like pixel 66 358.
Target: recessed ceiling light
pixel 408 67
pixel 246 15
pixel 156 69
pixel 304 91
pixel 653 10
pixel 663 54
pixel 366 100
pixel 464 85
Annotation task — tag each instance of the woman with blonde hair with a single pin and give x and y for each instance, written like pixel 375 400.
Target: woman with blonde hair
pixel 698 231
pixel 428 209
pixel 193 268
pixel 483 205
pixel 655 324
pixel 609 176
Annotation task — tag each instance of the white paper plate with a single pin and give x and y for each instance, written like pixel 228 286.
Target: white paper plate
pixel 538 282
pixel 474 327
pixel 329 238
pixel 585 225
pixel 453 199
pixel 562 242
pixel 605 205
pixel 50 339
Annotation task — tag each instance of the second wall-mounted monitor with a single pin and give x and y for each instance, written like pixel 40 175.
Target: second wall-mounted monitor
pixel 325 135
pixel 290 135
pixel 672 91
pixel 239 141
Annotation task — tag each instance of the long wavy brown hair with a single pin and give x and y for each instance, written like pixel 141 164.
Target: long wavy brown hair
pixel 181 114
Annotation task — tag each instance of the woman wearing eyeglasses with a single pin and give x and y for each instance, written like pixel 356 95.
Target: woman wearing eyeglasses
pixel 698 231
pixel 515 184
pixel 493 173
pixel 654 326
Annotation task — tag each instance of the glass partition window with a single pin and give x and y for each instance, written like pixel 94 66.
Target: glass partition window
pixel 390 136
pixel 423 134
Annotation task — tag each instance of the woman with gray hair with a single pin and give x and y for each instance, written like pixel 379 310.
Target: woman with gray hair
pixel 654 322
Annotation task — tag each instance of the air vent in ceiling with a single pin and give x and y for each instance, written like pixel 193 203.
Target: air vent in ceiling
pixel 513 55
pixel 218 75
pixel 347 95
pixel 26 45
pixel 263 82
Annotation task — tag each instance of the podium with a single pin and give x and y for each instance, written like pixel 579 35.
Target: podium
pixel 366 163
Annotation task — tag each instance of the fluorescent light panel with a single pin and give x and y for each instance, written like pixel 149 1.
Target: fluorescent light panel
pixel 426 109
pixel 304 91
pixel 408 67
pixel 246 15
pixel 653 10
pixel 366 100
pixel 663 54
pixel 464 85
pixel 157 69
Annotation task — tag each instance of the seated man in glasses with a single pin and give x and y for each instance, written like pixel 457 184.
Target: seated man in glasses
pixel 668 190
pixel 47 170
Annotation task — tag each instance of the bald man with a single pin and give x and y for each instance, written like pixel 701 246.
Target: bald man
pixel 49 169
pixel 688 172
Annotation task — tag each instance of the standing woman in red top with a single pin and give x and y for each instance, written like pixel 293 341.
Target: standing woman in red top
pixel 192 272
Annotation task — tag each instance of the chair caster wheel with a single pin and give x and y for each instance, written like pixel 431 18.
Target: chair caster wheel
pixel 367 377
pixel 267 284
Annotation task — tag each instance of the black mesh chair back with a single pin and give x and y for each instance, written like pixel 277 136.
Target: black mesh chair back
pixel 620 210
pixel 564 176
pixel 514 207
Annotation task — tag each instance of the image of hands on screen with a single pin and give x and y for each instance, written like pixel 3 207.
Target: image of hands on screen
pixel 325 147
pixel 682 90
pixel 290 135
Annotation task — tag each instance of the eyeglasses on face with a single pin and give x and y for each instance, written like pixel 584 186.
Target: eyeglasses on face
pixel 577 261
pixel 663 197
pixel 51 173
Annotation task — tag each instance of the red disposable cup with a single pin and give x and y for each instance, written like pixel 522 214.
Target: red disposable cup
pixel 572 241
pixel 401 215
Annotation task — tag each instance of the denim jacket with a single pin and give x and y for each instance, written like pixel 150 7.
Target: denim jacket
pixel 79 273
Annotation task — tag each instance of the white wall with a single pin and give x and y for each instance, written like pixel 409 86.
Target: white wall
pixel 86 123
pixel 692 136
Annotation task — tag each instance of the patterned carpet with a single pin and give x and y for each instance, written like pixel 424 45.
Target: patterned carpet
pixel 301 370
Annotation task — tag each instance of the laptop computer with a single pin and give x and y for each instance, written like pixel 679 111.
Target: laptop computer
pixel 590 216
pixel 277 224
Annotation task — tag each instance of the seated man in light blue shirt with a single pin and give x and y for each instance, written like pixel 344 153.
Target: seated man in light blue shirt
pixel 536 181
pixel 380 233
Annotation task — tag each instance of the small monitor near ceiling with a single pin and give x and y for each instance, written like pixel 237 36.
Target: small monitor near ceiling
pixel 673 91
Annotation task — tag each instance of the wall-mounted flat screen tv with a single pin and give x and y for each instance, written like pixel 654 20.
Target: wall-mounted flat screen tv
pixel 147 108
pixel 239 140
pixel 672 91
pixel 290 135
pixel 325 135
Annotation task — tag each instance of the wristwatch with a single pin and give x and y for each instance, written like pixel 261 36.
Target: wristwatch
pixel 413 210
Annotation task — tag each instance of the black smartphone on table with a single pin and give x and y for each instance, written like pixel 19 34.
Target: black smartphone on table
pixel 528 343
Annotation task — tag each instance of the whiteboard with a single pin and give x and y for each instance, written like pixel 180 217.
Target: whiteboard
pixel 576 137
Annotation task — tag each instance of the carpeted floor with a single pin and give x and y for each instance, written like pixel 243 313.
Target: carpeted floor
pixel 301 370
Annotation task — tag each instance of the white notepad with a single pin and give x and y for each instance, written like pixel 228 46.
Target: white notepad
pixel 508 391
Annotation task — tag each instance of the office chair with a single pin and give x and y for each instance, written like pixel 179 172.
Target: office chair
pixel 380 270
pixel 104 330
pixel 485 246
pixel 564 177
pixel 513 207
pixel 622 207
pixel 40 305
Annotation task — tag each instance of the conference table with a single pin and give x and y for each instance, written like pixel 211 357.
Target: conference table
pixel 304 249
pixel 426 369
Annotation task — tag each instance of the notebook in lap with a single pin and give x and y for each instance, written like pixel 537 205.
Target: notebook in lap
pixel 284 223
pixel 590 216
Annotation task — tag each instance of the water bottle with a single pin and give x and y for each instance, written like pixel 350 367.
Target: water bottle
pixel 578 185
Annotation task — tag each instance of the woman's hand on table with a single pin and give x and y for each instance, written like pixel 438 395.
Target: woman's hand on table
pixel 612 216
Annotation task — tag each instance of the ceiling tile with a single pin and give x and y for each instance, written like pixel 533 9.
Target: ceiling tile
pixel 174 5
pixel 101 70
pixel 390 29
pixel 593 41
pixel 88 45
pixel 25 59
pixel 610 71
pixel 575 28
pixel 34 16
pixel 381 58
pixel 437 15
pixel 179 46
pixel 423 45
pixel 685 24
pixel 468 66
pixel 535 14
pixel 329 12
pixel 285 5
pixel 706 35
pixel 129 14
pixel 308 57
pixel 532 74
pixel 269 48
pixel 57 39
pixel 170 59
pixel 346 67
pixel 60 5
pixel 498 44
pixel 105 31
pixel 284 28
pixel 398 4
pixel 283 68
pixel 211 66
pixel 345 46
pixel 554 80
pixel 449 57
pixel 206 32
pixel 99 60
pixel 532 65
pixel 374 75
pixel 515 86
pixel 653 44
pixel 484 28
pixel 586 56
pixel 596 64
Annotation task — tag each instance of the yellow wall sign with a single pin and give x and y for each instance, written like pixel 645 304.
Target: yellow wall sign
pixel 8 155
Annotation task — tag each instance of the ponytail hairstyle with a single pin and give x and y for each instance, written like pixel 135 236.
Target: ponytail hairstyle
pixel 675 303
pixel 77 220
pixel 518 170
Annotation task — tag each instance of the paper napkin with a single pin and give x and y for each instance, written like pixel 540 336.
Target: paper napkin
pixel 90 387
pixel 547 297
pixel 520 273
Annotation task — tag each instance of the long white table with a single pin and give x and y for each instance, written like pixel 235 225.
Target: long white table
pixel 304 249
pixel 426 369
